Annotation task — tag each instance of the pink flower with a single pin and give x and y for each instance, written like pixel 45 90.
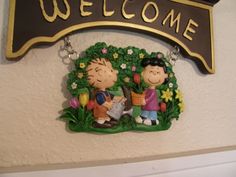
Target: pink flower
pixel 133 68
pixel 104 51
pixel 160 55
pixel 74 103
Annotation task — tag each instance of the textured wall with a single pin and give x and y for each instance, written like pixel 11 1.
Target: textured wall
pixel 32 92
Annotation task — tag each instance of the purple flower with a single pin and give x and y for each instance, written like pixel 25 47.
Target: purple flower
pixel 74 103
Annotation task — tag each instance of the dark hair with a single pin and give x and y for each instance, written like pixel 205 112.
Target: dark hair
pixel 153 62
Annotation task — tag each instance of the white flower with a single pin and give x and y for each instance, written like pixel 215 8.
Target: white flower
pixel 73 85
pixel 123 66
pixel 130 51
pixel 171 85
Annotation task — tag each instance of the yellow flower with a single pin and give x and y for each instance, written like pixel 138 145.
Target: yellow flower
pixel 171 75
pixel 82 65
pixel 115 55
pixel 167 95
pixel 181 106
pixel 179 95
pixel 83 99
pixel 80 75
pixel 141 55
pixel 126 79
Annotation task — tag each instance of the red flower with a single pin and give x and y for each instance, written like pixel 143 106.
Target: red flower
pixel 90 105
pixel 136 78
pixel 163 107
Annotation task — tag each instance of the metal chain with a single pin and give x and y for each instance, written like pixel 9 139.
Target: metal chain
pixel 67 52
pixel 174 55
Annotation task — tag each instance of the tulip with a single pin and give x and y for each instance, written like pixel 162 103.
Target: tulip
pixel 83 99
pixel 163 107
pixel 136 78
pixel 74 103
pixel 90 105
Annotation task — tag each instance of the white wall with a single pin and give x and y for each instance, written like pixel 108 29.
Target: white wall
pixel 221 164
pixel 33 91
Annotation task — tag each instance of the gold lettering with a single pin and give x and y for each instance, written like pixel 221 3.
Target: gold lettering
pixel 56 11
pixel 83 4
pixel 105 12
pixel 190 29
pixel 126 15
pixel 173 20
pixel 145 18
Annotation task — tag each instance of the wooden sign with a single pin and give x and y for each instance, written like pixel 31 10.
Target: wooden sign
pixel 185 23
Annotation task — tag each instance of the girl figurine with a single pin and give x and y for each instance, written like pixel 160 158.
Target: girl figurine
pixel 154 74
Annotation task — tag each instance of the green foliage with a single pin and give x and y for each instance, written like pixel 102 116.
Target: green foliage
pixel 128 62
pixel 81 118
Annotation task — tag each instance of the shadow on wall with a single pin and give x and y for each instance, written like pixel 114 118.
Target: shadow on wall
pixel 70 66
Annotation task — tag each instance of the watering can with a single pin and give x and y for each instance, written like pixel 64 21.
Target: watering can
pixel 117 109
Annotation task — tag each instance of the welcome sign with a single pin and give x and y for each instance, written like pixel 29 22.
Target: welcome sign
pixel 185 23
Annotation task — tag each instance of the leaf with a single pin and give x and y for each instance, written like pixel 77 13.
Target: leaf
pixel 83 90
pixel 69 118
pixel 69 114
pixel 72 120
pixel 81 114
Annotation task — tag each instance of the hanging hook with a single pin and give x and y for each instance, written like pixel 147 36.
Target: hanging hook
pixel 66 51
pixel 174 55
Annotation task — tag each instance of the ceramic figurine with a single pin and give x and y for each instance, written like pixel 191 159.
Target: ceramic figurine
pixel 122 89
pixel 153 74
pixel 101 75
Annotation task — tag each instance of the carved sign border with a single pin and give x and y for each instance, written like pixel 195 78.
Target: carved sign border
pixel 196 56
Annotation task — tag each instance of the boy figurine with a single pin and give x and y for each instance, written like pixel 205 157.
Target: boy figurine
pixel 101 75
pixel 154 74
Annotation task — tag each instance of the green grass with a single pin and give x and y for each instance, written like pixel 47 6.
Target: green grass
pixel 78 123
